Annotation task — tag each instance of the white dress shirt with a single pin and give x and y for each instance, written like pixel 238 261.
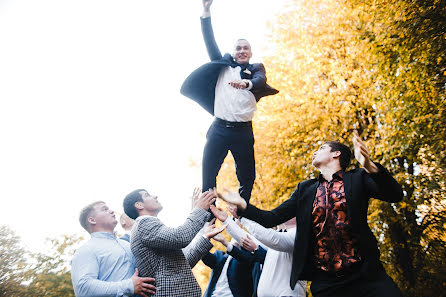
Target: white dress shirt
pixel 231 104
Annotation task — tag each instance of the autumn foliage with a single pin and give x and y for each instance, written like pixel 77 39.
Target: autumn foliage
pixel 375 66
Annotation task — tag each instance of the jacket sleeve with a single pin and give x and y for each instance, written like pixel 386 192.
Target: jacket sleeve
pixel 248 257
pixel 155 234
pixel 209 39
pixel 197 249
pixel 278 215
pixel 210 260
pixel 258 77
pixel 382 185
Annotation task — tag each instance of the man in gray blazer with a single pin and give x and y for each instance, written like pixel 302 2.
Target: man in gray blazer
pixel 165 253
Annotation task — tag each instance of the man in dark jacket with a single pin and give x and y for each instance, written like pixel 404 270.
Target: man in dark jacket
pixel 334 246
pixel 228 87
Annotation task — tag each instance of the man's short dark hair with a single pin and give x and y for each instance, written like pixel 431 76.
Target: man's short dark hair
pixel 85 214
pixel 346 154
pixel 129 203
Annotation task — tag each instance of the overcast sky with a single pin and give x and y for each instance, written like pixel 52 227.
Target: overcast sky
pixel 90 107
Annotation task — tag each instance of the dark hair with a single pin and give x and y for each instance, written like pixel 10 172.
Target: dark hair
pixel 129 203
pixel 85 213
pixel 346 154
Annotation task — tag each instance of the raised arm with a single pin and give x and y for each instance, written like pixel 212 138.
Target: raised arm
pixel 280 241
pixel 278 215
pixel 201 244
pixel 378 181
pixel 208 33
pixel 155 234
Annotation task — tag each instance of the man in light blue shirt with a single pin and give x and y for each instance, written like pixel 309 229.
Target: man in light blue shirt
pixel 105 266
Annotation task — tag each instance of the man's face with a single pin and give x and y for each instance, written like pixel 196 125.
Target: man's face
pixel 103 217
pixel 242 52
pixel 150 202
pixel 323 155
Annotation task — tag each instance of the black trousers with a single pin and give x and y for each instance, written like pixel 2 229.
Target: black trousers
pixel 222 138
pixel 355 286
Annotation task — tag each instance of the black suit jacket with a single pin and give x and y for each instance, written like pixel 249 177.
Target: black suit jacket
pixel 200 84
pixel 359 187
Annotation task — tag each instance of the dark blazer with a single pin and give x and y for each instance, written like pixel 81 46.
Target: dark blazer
pixel 200 84
pixel 243 271
pixel 359 187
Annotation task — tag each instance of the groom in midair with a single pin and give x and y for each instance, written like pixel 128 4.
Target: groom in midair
pixel 228 87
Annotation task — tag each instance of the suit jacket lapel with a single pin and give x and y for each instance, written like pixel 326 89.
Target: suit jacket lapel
pixel 306 208
pixel 351 203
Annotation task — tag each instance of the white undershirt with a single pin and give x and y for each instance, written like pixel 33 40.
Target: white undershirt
pixel 222 287
pixel 231 104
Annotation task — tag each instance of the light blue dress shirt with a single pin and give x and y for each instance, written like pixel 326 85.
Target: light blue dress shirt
pixel 103 267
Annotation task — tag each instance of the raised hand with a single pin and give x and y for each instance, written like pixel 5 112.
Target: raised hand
pixel 195 196
pixel 220 238
pixel 141 286
pixel 362 154
pixel 248 244
pixel 232 210
pixel 205 200
pixel 212 231
pixel 219 213
pixel 233 198
pixel 207 4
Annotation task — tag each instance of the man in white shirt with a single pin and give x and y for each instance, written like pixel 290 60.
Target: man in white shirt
pixel 228 87
pixel 105 266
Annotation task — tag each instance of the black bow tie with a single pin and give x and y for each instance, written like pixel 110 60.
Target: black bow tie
pixel 242 66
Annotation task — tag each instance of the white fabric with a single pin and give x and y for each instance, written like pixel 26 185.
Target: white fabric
pixel 222 286
pixel 231 104
pixel 237 233
pixel 278 261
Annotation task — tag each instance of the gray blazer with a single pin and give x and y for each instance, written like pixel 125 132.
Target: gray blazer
pixel 159 253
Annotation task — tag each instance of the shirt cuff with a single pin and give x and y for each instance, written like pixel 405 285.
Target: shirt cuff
pixel 129 288
pixel 206 14
pixel 249 87
pixel 229 247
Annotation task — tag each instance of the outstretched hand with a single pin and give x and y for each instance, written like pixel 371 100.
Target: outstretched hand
pixel 362 154
pixel 220 238
pixel 141 286
pixel 248 244
pixel 233 198
pixel 238 84
pixel 232 210
pixel 207 4
pixel 219 213
pixel 195 196
pixel 211 230
pixel 205 200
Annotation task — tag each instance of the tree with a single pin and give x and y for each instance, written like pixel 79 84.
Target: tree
pixel 12 263
pixel 379 67
pixel 50 275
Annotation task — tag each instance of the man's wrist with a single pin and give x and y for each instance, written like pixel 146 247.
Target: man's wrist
pixel 206 14
pixel 248 84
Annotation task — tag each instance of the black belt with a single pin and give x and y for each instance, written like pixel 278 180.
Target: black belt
pixel 229 124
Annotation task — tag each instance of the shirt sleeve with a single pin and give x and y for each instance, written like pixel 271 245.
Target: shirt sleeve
pixel 84 275
pixel 236 232
pixel 280 241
